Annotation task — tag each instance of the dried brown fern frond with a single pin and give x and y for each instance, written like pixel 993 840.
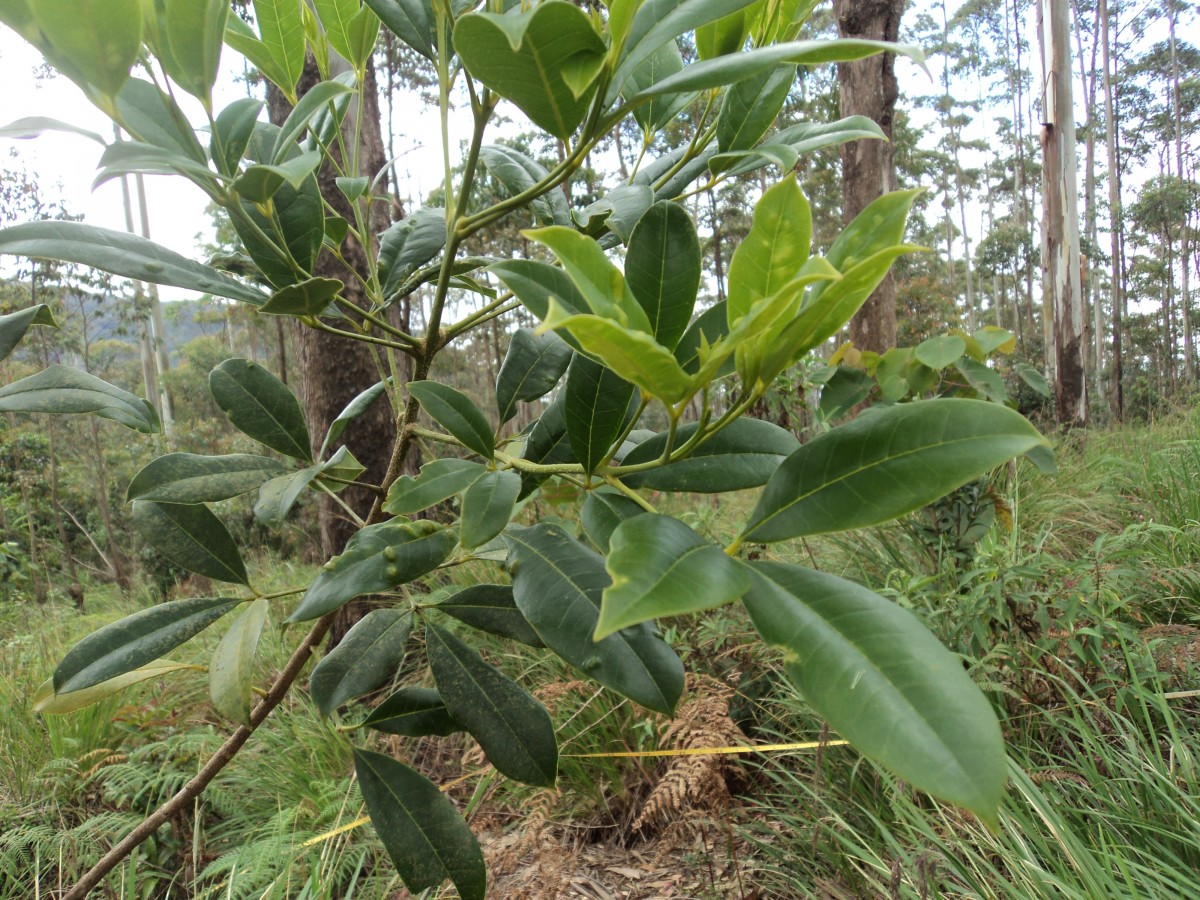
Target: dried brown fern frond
pixel 694 783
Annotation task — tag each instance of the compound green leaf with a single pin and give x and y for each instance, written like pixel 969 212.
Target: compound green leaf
pixel 511 726
pixel 120 253
pixel 67 390
pixel 457 413
pixel 660 567
pixel 885 463
pixel 438 480
pixel 261 406
pixel 189 535
pixel 47 702
pixel 364 659
pixel 662 268
pixel 413 712
pixel 231 673
pixel 777 245
pixel 595 407
pixel 543 59
pixel 424 835
pixel 744 454
pixel 14 326
pixel 533 365
pixel 486 507
pixel 557 584
pixel 882 681
pixel 136 640
pixel 194 478
pixel 490 608
pixel 377 558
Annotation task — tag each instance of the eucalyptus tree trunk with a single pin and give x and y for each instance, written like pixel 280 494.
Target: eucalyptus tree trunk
pixel 1114 205
pixel 1189 371
pixel 868 88
pixel 1061 282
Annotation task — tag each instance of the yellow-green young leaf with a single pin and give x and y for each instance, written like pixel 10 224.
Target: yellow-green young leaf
pixel 883 682
pixel 539 58
pixel 377 558
pixel 47 702
pixel 189 535
pixel 660 567
pixel 457 413
pixel 365 658
pixel 600 283
pixel 424 835
pixel 636 355
pixel 885 463
pixel 511 726
pixel 231 673
pixel 490 608
pixel 195 31
pixel 193 478
pixel 413 712
pixel 486 507
pixel 261 406
pixel 438 480
pixel 777 245
pixel 14 326
pixel 726 35
pixel 557 584
pixel 282 28
pixel 136 640
pixel 92 42
pixel 992 338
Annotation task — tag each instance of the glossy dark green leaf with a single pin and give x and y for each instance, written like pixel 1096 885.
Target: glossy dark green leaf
pixel 347 33
pixel 512 727
pixel 194 478
pixel 364 659
pixel 844 390
pixel 490 608
pixel 547 442
pixel 534 283
pixel 662 267
pixel 306 298
pixel 301 116
pixel 774 250
pixel 231 672
pixel 14 326
pixel 486 507
pixel 751 106
pixel 941 350
pixel 231 133
pixel 190 536
pixel 66 390
pixel 261 406
pixel 660 567
pixel 342 465
pixel 282 30
pixel 533 365
pixel 120 253
pixel 377 558
pixel 883 682
pixel 658 113
pixel 595 409
pixel 742 455
pixel 727 34
pixel 195 33
pixel 985 380
pixel 603 511
pixel 543 59
pixel 260 182
pixel 618 211
pixel 135 158
pixel 518 173
pixel 438 480
pixel 557 584
pixel 424 835
pixel 355 408
pixel 886 463
pixel 409 244
pixel 413 712
pixel 410 20
pixel 457 413
pixel 135 640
